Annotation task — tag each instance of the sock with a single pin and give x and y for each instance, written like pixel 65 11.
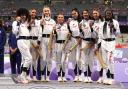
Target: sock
pixel 48 73
pixel 75 70
pixel 108 74
pixel 61 71
pixel 112 76
pixel 80 71
pixel 34 72
pixel 89 71
pixel 85 73
pixel 101 72
pixel 44 71
pixel 24 71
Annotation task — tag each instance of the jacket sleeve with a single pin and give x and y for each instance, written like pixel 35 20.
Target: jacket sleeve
pixel 15 28
pixel 99 35
pixel 39 32
pixel 117 28
pixel 3 38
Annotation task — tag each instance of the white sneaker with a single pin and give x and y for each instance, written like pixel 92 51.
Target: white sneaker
pixel 100 80
pixel 89 80
pixel 60 79
pixel 110 81
pixel 64 79
pixel 47 79
pixel 105 81
pixel 85 80
pixel 76 78
pixel 42 78
pixel 22 79
pixel 29 79
pixel 80 79
pixel 34 78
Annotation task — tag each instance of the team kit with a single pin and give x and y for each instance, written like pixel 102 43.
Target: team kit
pixel 83 40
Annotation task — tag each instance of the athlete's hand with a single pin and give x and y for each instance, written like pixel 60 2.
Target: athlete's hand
pixel 42 21
pixel 18 18
pixel 95 50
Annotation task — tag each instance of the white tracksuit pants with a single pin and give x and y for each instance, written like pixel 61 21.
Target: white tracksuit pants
pixel 87 57
pixel 107 49
pixel 46 60
pixel 59 57
pixel 34 54
pixel 24 47
pixel 74 57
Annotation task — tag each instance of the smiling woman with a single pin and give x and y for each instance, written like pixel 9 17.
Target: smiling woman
pixel 23 41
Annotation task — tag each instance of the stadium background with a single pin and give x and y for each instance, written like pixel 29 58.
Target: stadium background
pixel 120 8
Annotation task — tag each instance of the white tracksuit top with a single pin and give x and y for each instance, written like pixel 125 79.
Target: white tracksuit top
pixel 48 27
pixel 74 27
pixel 36 29
pixel 85 26
pixel 21 30
pixel 62 31
pixel 97 27
pixel 108 34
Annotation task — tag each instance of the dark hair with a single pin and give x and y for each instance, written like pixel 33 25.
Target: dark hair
pixel 79 17
pixel 88 12
pixel 85 10
pixel 58 13
pixel 111 13
pixel 23 11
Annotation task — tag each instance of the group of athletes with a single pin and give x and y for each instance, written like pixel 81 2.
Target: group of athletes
pixel 81 40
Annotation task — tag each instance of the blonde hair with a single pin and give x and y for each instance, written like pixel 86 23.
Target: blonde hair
pixel 46 7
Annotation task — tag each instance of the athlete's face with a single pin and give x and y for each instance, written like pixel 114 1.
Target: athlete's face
pixel 46 12
pixel 108 14
pixel 96 14
pixel 23 18
pixel 85 14
pixel 74 14
pixel 60 19
pixel 33 13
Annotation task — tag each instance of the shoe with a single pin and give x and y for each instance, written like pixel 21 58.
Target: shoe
pixel 85 80
pixel 35 79
pixel 22 79
pixel 110 81
pixel 100 80
pixel 29 79
pixel 64 79
pixel 89 80
pixel 80 78
pixel 105 81
pixel 42 78
pixel 47 79
pixel 60 79
pixel 76 78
